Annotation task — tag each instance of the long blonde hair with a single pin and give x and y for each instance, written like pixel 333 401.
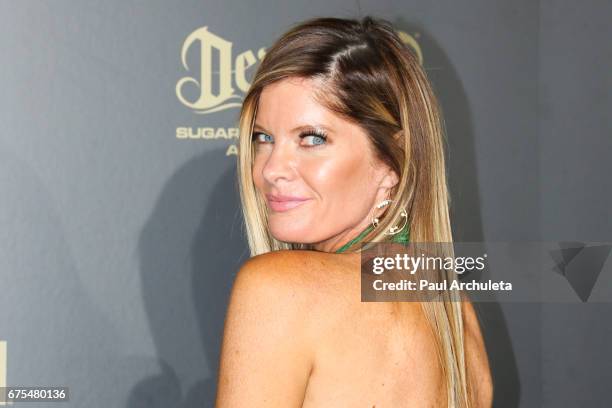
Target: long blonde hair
pixel 369 76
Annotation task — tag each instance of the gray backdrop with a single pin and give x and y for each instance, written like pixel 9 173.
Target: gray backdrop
pixel 119 238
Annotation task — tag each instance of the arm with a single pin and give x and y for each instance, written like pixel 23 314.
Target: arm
pixel 266 357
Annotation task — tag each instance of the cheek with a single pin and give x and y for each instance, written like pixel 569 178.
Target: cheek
pixel 340 184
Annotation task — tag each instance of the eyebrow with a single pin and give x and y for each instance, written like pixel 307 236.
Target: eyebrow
pixel 295 129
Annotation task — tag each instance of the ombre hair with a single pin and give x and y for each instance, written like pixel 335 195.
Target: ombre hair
pixel 367 75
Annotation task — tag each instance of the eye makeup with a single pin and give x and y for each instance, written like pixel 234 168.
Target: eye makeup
pixel 317 133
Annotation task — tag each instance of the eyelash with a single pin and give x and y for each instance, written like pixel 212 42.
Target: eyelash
pixel 313 132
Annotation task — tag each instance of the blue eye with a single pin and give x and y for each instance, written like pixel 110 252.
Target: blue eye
pixel 319 137
pixel 318 140
pixel 256 137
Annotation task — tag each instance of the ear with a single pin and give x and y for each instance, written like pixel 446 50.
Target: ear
pixel 390 179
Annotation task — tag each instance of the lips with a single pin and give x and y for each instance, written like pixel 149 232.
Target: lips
pixel 280 203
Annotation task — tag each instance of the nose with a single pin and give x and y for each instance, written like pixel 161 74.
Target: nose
pixel 280 164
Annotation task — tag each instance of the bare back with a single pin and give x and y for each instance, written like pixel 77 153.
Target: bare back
pixel 376 354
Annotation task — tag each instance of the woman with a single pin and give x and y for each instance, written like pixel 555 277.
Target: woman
pixel 341 143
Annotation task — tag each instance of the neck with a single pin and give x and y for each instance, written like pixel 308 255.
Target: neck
pixel 339 241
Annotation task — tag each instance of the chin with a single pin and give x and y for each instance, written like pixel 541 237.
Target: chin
pixel 282 232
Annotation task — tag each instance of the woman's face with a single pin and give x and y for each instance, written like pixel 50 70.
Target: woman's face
pixel 321 163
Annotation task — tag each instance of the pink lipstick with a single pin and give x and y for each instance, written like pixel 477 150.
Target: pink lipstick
pixel 280 203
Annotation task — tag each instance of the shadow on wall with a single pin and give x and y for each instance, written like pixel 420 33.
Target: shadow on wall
pixel 465 204
pixel 55 332
pixel 190 251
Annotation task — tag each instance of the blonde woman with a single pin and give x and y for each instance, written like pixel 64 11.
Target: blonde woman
pixel 340 135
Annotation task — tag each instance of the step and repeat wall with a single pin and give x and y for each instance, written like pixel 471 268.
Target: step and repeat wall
pixel 120 225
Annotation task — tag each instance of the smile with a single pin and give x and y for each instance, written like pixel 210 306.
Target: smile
pixel 280 206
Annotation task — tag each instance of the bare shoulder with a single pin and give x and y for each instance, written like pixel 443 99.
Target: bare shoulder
pixel 298 285
pixel 267 352
pixel 314 285
pixel 278 279
pixel 477 360
pixel 285 264
pixel 311 271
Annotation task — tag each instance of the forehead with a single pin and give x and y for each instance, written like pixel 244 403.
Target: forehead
pixel 292 101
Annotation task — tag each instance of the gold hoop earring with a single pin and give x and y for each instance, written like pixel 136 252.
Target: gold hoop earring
pixel 395 229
